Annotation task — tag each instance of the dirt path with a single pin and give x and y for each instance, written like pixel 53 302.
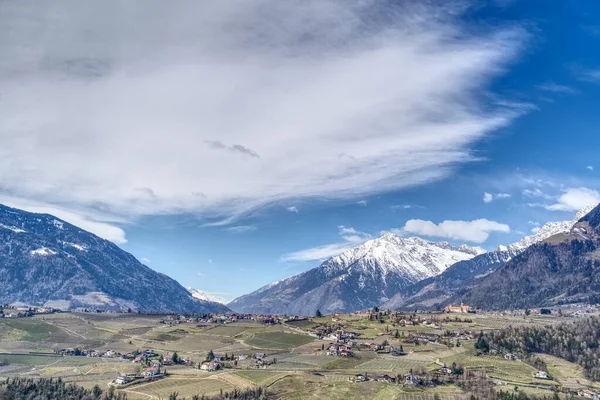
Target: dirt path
pixel 236 381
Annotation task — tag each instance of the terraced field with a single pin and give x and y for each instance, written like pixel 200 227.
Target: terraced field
pixel 302 369
pixel 278 340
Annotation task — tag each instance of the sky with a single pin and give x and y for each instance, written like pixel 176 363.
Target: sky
pixel 232 144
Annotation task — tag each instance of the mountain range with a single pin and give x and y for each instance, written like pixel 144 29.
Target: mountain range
pixel 201 295
pixel 360 278
pixel 564 268
pixel 437 290
pixel 394 273
pixel 47 261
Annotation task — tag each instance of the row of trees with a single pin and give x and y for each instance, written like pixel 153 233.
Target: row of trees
pixel 578 342
pixel 250 394
pixel 50 389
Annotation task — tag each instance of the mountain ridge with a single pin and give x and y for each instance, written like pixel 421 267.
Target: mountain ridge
pixel 48 261
pixel 464 274
pixel 358 278
pixel 564 268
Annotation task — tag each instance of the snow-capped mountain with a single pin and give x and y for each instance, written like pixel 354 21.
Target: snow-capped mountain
pixel 46 261
pixel 466 274
pixel 560 270
pixel 548 230
pixel 359 278
pixel 200 295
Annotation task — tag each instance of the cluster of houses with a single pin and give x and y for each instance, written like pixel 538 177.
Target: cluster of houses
pixel 344 347
pixel 227 318
pixel 410 379
pixel 8 311
pixel 379 378
pixel 75 351
pixel 147 356
pixel 588 394
pixel 217 362
pixel 461 309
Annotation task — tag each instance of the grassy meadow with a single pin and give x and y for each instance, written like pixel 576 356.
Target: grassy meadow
pixel 300 367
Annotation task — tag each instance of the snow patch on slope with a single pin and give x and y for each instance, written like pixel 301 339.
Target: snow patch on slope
pixel 43 251
pixel 77 246
pixel 200 295
pixel 549 229
pixel 13 228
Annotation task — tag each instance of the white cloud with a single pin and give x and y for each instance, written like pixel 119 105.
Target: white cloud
pixel 351 238
pixel 473 231
pixel 99 112
pixel 590 167
pixel 556 88
pixel 588 75
pixel 533 223
pixel 535 229
pixel 362 203
pixel 536 193
pixel 488 197
pixel 574 199
pixel 241 228
pixel 146 260
pixel 406 206
pixel 293 209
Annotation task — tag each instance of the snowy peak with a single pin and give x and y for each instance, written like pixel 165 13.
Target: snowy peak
pixel 413 258
pixel 359 278
pixel 549 229
pixel 200 295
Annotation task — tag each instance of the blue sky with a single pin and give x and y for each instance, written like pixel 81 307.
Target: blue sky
pixel 237 145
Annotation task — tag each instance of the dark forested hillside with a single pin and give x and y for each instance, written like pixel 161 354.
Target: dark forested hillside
pixel 563 269
pixel 577 342
pixel 47 261
pixel 50 389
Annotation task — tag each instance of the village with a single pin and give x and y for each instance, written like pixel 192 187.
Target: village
pixel 423 351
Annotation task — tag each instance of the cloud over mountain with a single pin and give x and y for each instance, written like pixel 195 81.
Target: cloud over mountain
pixel 473 231
pixel 241 102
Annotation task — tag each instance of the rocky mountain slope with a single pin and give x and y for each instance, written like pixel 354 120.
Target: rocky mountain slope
pixel 47 261
pixel 463 275
pixel 564 268
pixel 200 295
pixel 362 277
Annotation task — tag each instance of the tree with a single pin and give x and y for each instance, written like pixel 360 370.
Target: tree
pixel 318 314
pixel 96 391
pixel 397 334
pixel 482 343
pixel 210 356
pixel 385 343
pixel 175 359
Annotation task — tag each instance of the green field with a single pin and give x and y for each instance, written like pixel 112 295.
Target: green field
pixel 302 369
pixel 278 340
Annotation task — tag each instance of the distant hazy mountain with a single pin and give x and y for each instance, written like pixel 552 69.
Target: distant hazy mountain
pixel 362 277
pixel 564 268
pixel 200 295
pixel 465 274
pixel 47 261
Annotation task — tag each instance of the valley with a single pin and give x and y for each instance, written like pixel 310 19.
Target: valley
pixel 291 358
